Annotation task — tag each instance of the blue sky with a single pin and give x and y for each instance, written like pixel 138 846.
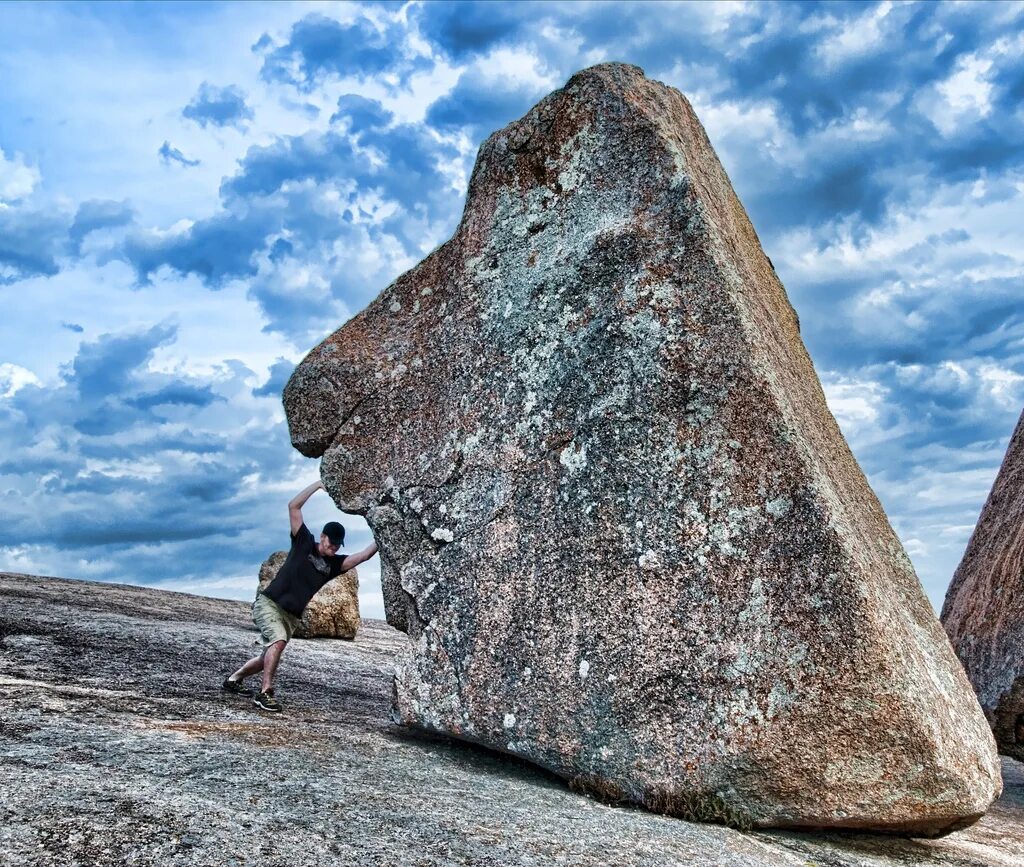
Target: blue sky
pixel 193 195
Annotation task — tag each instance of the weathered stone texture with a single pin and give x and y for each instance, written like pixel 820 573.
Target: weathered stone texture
pixel 984 608
pixel 333 612
pixel 118 748
pixel 621 527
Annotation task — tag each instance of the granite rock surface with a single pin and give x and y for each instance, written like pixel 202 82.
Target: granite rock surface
pixel 624 533
pixel 117 746
pixel 984 608
pixel 333 612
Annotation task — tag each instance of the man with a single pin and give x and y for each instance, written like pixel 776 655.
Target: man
pixel 278 608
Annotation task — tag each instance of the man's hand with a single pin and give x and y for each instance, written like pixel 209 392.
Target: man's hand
pixel 298 501
pixel 353 560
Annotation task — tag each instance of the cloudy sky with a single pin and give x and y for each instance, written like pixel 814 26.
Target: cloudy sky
pixel 193 195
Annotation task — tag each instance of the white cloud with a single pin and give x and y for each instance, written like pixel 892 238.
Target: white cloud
pixel 748 121
pixel 915 548
pixel 948 376
pixel 525 68
pixel 854 403
pixel 967 89
pixel 20 558
pixel 14 377
pixel 966 96
pixel 410 104
pixel 114 107
pixel 865 408
pixel 17 178
pixel 371 604
pixel 933 505
pixel 851 130
pixel 212 326
pixel 979 388
pixel 906 249
pixel 240 587
pixel 857 37
pixel 1005 387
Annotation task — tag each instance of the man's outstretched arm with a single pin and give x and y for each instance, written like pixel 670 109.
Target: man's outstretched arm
pixel 353 560
pixel 297 502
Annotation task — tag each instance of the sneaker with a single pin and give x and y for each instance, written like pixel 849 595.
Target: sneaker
pixel 238 687
pixel 267 701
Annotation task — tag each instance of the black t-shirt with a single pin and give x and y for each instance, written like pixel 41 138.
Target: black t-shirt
pixel 304 572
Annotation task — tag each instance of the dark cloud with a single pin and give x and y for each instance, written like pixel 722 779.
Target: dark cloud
pixel 106 418
pixel 97 214
pixel 830 118
pixel 31 243
pixel 280 370
pixel 157 442
pixel 411 174
pixel 463 30
pixel 72 326
pixel 113 480
pixel 280 250
pixel 479 106
pixel 310 157
pixel 37 243
pixel 360 113
pixel 109 365
pixel 108 389
pixel 93 531
pixel 896 314
pixel 175 394
pixel 296 205
pixel 217 249
pixel 171 154
pixel 218 106
pixel 319 46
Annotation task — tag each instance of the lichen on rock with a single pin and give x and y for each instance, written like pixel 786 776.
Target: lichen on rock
pixel 609 462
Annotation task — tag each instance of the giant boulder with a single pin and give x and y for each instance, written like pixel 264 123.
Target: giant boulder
pixel 984 608
pixel 333 612
pixel 623 531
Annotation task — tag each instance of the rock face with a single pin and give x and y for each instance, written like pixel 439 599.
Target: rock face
pixel 111 755
pixel 333 612
pixel 984 608
pixel 622 529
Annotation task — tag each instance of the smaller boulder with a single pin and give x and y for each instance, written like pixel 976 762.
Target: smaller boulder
pixel 333 612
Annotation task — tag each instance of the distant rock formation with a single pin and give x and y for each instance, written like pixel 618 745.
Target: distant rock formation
pixel 333 612
pixel 984 608
pixel 623 531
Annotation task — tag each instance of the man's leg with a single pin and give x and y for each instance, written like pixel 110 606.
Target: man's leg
pixel 271 657
pixel 251 667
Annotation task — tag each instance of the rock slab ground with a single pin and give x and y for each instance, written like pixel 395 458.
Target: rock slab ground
pixel 984 608
pixel 118 747
pixel 616 517
pixel 333 612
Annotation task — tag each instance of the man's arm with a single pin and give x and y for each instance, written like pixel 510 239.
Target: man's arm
pixel 297 502
pixel 353 560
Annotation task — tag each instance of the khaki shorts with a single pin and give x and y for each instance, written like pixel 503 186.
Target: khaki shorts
pixel 273 622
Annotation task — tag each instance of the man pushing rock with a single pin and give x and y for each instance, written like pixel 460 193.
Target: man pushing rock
pixel 278 608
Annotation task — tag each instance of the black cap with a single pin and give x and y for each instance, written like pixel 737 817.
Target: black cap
pixel 335 532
